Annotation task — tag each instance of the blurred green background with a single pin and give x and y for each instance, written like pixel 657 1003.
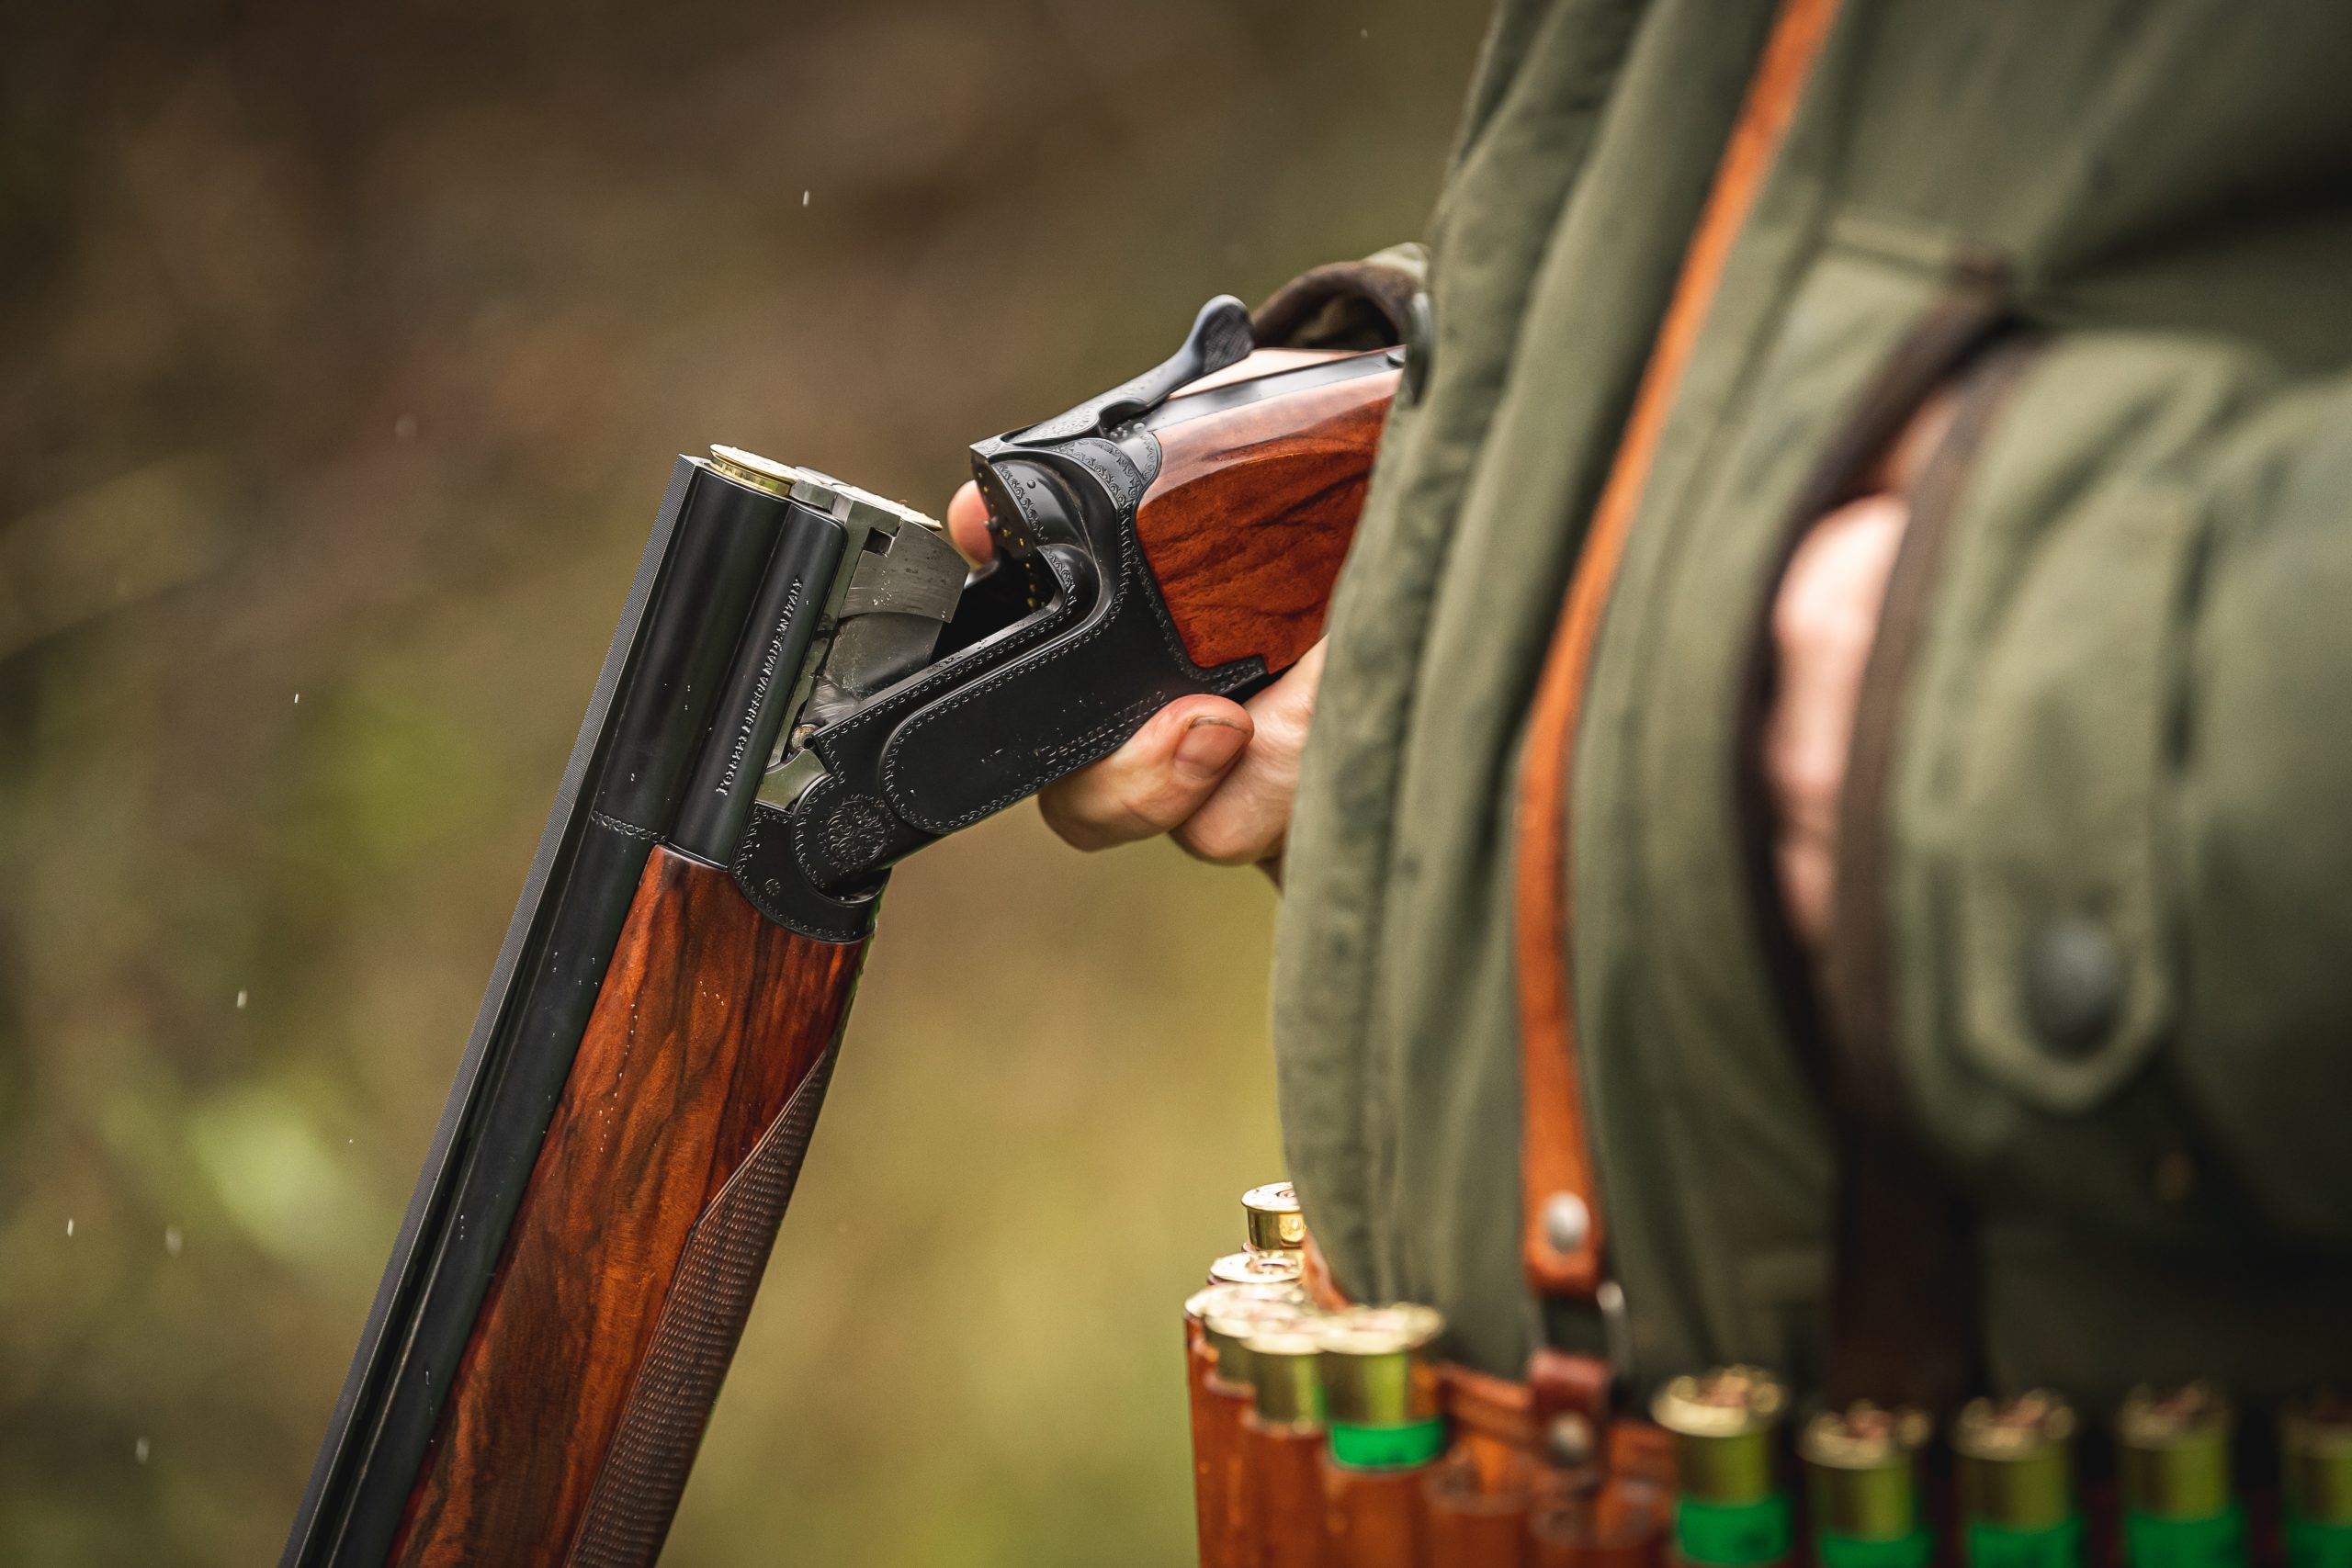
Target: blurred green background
pixel 342 353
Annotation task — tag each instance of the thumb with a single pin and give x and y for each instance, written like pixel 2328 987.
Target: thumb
pixel 1154 782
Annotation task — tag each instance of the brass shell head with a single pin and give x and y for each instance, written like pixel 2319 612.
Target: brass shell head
pixel 2017 1460
pixel 1282 1369
pixel 1863 1462
pixel 1270 1218
pixel 1258 1268
pixel 1723 1423
pixel 1228 1325
pixel 751 468
pixel 1377 1363
pixel 2175 1446
pixel 1209 1298
pixel 2315 1440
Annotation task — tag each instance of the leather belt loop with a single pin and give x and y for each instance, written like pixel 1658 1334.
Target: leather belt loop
pixel 1563 1236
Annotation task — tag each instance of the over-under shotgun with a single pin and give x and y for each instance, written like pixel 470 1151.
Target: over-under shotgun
pixel 805 687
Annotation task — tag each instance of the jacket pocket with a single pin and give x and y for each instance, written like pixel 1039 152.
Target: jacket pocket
pixel 2027 878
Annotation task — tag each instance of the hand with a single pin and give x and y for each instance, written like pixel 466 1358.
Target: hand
pixel 1218 776
pixel 1824 621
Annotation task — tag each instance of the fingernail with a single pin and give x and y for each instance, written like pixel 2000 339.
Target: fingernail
pixel 1209 744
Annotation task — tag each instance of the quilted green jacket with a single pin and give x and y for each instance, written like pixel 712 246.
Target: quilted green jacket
pixel 2093 939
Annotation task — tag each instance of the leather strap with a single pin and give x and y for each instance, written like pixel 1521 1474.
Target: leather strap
pixel 1557 1154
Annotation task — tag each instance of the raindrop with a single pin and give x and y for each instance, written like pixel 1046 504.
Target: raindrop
pixel 140 1448
pixel 804 198
pixel 69 1225
pixel 240 998
pixel 298 699
pixel 172 1240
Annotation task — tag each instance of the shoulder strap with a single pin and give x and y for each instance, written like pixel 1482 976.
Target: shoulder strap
pixel 1561 1232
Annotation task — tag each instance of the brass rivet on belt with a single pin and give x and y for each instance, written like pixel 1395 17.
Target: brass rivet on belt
pixel 1568 1440
pixel 1271 1219
pixel 1722 1422
pixel 1567 1220
pixel 2017 1460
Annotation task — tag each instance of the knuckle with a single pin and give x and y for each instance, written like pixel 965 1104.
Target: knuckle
pixel 1219 842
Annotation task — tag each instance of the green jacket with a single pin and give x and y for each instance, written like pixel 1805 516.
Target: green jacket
pixel 2097 926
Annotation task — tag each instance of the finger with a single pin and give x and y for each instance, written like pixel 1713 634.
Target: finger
pixel 1247 816
pixel 1825 618
pixel 1155 781
pixel 967 525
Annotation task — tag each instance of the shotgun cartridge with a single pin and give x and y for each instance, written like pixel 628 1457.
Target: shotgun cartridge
pixel 1270 1221
pixel 1380 1386
pixel 1730 1510
pixel 1258 1268
pixel 1283 1374
pixel 1863 1462
pixel 2017 1482
pixel 1229 1325
pixel 2315 1445
pixel 2179 1508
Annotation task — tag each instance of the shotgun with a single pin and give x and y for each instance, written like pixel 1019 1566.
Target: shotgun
pixel 806 687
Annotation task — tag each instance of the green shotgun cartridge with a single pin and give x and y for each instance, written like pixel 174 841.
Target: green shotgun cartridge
pixel 1270 1218
pixel 1730 1510
pixel 1863 1464
pixel 1258 1268
pixel 2180 1509
pixel 1228 1320
pixel 2315 1448
pixel 1283 1371
pixel 1380 1386
pixel 2017 1482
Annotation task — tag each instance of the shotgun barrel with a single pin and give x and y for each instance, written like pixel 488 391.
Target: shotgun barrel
pixel 804 689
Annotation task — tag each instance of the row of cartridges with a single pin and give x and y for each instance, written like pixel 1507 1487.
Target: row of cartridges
pixel 1330 1436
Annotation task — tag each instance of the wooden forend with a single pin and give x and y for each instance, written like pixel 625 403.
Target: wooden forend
pixel 1251 515
pixel 581 1397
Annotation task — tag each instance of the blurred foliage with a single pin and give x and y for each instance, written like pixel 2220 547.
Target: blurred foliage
pixel 343 352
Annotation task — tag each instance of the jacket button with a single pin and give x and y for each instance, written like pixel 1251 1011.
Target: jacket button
pixel 2074 985
pixel 1566 1221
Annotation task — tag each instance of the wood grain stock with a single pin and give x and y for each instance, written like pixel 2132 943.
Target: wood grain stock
pixel 1251 515
pixel 581 1397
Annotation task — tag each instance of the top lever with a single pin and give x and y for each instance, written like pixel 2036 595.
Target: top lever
pixel 1220 336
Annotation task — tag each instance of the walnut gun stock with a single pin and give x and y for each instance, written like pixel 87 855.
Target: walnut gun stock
pixel 805 688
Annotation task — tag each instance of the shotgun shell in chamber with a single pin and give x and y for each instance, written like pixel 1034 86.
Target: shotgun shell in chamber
pixel 1863 1462
pixel 1380 1386
pixel 2017 1481
pixel 1283 1372
pixel 751 468
pixel 2315 1451
pixel 1258 1268
pixel 1729 1508
pixel 1270 1221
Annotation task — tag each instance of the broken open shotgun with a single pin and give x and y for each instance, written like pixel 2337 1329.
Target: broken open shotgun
pixel 805 687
